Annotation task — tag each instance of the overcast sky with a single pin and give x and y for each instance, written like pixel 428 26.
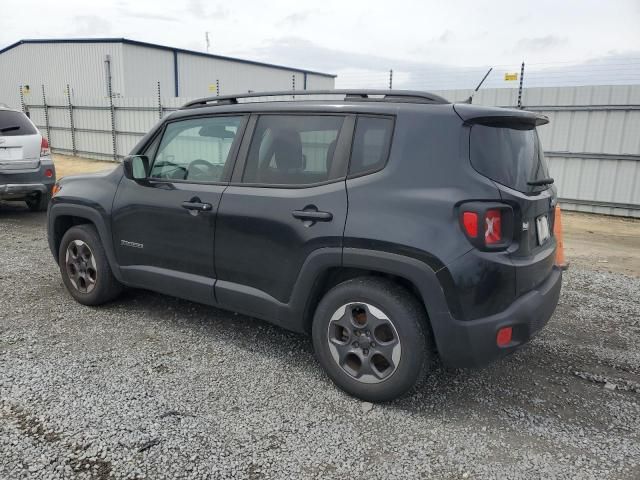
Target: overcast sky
pixel 450 41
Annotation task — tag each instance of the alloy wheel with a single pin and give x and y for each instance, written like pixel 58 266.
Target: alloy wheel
pixel 81 266
pixel 364 342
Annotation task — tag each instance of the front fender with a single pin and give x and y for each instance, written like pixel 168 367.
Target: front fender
pixel 97 217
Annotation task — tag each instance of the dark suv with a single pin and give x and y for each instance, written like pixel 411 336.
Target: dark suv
pixel 390 225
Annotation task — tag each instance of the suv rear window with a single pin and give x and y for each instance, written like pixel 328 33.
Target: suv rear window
pixel 510 155
pixel 15 123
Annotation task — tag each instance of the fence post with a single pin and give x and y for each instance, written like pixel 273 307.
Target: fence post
pixel 391 79
pixel 520 87
pixel 159 103
pixel 46 116
pixel 22 105
pixel 73 130
pixel 113 119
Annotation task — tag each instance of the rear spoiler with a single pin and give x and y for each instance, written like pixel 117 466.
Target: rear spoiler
pixel 495 116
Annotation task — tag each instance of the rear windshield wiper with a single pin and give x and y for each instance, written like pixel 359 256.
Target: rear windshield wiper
pixel 542 181
pixel 10 128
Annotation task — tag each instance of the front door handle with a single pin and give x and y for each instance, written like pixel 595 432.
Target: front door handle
pixel 312 215
pixel 197 206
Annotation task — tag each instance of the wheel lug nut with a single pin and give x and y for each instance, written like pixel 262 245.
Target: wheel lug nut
pixel 366 351
pixel 356 344
pixel 373 344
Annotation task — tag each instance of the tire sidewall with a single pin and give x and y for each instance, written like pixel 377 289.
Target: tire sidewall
pixel 404 315
pixel 89 236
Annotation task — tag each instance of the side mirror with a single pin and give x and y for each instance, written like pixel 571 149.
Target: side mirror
pixel 136 167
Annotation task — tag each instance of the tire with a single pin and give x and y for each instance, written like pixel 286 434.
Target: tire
pixel 363 370
pixel 93 282
pixel 39 203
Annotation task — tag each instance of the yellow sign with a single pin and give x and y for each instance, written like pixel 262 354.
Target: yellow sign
pixel 510 76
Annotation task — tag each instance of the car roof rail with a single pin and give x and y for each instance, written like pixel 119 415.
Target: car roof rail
pixel 400 96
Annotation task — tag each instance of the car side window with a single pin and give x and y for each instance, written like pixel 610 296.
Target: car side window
pixel 371 143
pixel 293 150
pixel 195 149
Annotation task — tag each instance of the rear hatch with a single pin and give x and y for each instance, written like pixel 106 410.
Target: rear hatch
pixel 504 146
pixel 19 142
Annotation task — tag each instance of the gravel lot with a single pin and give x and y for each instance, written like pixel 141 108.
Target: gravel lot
pixel 154 387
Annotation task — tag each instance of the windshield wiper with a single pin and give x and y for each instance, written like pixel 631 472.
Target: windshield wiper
pixel 542 181
pixel 10 128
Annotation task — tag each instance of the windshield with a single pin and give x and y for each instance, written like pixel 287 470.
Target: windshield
pixel 15 123
pixel 511 156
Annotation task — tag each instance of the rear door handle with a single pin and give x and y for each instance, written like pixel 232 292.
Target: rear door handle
pixel 312 215
pixel 197 206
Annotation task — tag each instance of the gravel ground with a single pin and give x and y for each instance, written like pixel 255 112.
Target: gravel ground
pixel 154 387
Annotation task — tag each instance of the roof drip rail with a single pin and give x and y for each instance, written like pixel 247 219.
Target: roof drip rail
pixel 403 96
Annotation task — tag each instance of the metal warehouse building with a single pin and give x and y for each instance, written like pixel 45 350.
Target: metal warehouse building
pixel 135 68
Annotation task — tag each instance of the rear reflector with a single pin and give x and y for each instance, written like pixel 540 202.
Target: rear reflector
pixel 493 227
pixel 48 173
pixel 504 336
pixel 470 222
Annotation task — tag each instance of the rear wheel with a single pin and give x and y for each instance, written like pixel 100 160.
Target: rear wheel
pixel 84 267
pixel 370 336
pixel 39 202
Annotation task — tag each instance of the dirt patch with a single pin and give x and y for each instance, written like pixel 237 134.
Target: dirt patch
pixel 68 165
pixel 602 242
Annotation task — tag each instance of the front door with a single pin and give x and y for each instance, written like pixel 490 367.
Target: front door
pixel 289 200
pixel 164 227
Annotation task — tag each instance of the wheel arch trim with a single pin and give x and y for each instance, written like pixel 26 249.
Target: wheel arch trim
pixel 94 217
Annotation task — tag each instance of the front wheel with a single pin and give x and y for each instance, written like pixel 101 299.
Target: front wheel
pixel 84 267
pixel 370 336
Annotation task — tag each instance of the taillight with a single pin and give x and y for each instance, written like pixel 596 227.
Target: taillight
pixel 488 225
pixel 44 148
pixel 48 173
pixel 56 188
pixel 470 223
pixel 492 227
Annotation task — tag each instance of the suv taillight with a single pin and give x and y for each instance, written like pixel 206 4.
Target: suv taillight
pixel 44 148
pixel 488 225
pixel 492 226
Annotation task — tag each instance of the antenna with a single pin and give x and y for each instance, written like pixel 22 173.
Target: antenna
pixel 470 99
pixel 206 38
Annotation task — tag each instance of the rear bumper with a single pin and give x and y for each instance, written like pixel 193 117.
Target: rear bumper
pixel 21 184
pixel 472 343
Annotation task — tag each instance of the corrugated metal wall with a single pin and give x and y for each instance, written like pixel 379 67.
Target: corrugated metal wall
pixel 56 65
pixel 592 142
pixel 135 71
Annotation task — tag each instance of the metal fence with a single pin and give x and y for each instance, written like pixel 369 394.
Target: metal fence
pixel 592 142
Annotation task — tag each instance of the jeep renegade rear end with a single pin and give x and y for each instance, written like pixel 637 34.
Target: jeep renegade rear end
pixel 392 226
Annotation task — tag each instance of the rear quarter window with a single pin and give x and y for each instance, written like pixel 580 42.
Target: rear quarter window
pixel 371 143
pixel 13 124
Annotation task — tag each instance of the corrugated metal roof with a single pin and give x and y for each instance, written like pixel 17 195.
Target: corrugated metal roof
pixel 161 47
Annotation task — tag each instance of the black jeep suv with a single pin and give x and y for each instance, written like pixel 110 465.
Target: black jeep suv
pixel 390 225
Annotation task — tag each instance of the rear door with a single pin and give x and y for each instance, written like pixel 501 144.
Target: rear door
pixel 510 153
pixel 164 227
pixel 19 142
pixel 287 199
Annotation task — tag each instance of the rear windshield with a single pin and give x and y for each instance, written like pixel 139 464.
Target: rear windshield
pixel 511 156
pixel 15 123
